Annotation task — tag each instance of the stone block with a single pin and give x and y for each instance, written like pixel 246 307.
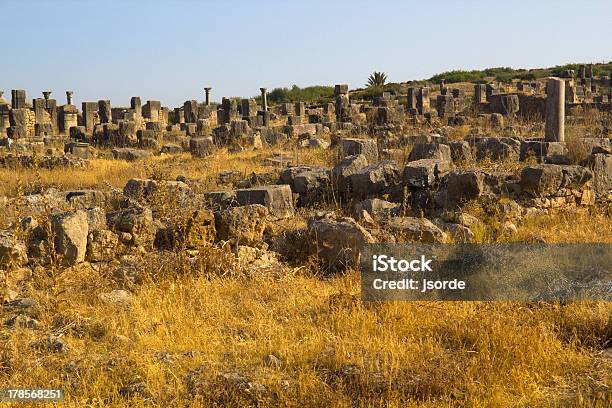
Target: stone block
pixel 243 225
pixel 460 150
pixel 70 236
pixel 340 240
pixel 277 199
pixel 201 147
pixel 430 151
pixel 464 185
pixel 425 172
pixel 343 170
pixel 541 150
pixel 366 147
pixel 408 229
pixel 136 221
pixel 544 180
pixel 497 148
pixel 102 246
pixel 374 179
pixel 601 166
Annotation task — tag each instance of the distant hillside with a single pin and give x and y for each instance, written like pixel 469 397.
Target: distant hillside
pixel 508 74
pixel 320 93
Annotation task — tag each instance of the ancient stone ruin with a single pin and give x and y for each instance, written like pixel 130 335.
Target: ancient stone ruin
pixel 390 175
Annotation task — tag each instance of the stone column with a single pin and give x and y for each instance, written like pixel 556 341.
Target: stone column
pixel 589 71
pixel 264 99
pixel 190 109
pixel 104 111
pixel 207 91
pixel 490 90
pixel 555 110
pixel 570 91
pixel 582 72
pixel 412 98
pixel 69 97
pixel 18 98
pixel 136 104
pixel 90 115
pixel 480 93
pixel 423 103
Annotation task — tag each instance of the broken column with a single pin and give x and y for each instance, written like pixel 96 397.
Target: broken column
pixel 18 98
pixel 555 110
pixel 90 115
pixel 68 115
pixel 570 91
pixel 248 108
pixel 207 92
pixel 445 106
pixel 228 111
pixel 151 111
pixel 264 99
pixel 582 72
pixel 342 103
pixel 68 118
pixel 18 119
pixel 423 103
pixel 38 105
pixel 510 104
pixel 490 89
pixel 480 93
pixel 104 111
pixel 4 115
pixel 411 103
pixel 190 111
pixel 136 104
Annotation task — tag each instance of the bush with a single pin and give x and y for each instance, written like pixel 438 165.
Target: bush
pixel 296 94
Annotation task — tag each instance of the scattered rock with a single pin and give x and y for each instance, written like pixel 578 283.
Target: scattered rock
pixel 339 239
pixel 347 167
pixel 22 321
pixel 271 360
pixel 375 179
pixel 243 225
pixel 12 251
pixel 137 221
pixel 437 151
pixel 21 303
pixel 116 297
pixel 56 344
pixel 70 236
pixel 102 246
pixel 425 172
pixel 417 229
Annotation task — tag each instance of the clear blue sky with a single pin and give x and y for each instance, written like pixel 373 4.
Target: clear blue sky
pixel 170 50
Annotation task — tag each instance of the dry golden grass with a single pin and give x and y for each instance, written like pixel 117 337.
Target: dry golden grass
pixel 184 328
pixel 408 354
pixel 103 172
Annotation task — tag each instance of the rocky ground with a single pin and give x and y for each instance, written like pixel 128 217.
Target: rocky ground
pixel 230 279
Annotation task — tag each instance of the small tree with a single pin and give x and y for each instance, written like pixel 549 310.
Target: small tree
pixel 377 80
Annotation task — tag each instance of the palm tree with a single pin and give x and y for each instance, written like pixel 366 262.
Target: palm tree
pixel 377 80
